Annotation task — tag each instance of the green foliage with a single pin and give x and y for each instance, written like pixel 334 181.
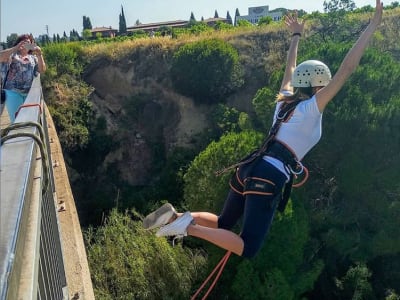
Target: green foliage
pixel 71 111
pixel 349 208
pixel 87 25
pixel 271 285
pixel 264 106
pixel 62 58
pixel 264 21
pixel 127 262
pixel 86 34
pixel 222 26
pixel 226 119
pixel 11 40
pixel 280 269
pixel 122 22
pixel 337 24
pixel 355 285
pixel 204 190
pixel 243 23
pixel 207 70
pixel 339 5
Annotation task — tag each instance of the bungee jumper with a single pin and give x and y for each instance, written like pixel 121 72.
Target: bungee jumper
pixel 257 188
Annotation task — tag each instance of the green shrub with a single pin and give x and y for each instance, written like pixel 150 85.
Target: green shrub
pixel 127 262
pixel 207 70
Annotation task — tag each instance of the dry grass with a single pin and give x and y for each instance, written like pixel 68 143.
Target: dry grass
pixel 114 50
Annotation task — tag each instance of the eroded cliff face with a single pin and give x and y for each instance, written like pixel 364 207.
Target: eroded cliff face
pixel 141 108
pixel 162 117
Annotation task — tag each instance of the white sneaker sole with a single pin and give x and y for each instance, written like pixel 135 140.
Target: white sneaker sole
pixel 177 227
pixel 159 217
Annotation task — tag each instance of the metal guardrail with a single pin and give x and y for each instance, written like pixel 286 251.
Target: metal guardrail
pixel 31 260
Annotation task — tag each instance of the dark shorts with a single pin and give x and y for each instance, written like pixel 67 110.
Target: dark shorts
pixel 254 194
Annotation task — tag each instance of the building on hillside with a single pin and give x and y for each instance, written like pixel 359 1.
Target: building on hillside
pixel 155 26
pixel 104 32
pixel 256 13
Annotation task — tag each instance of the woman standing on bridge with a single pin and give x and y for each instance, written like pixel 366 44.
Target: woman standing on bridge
pixel 19 65
pixel 256 187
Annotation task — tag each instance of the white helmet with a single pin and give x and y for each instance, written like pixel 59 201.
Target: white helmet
pixel 311 73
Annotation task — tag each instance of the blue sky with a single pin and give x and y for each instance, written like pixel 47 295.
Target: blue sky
pixel 23 16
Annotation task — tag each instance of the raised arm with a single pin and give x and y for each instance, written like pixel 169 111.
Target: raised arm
pixel 296 28
pixel 351 61
pixel 41 63
pixel 6 53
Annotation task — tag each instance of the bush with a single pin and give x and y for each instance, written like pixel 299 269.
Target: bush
pixel 207 70
pixel 127 262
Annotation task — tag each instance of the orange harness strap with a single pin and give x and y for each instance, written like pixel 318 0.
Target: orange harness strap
pixel 219 266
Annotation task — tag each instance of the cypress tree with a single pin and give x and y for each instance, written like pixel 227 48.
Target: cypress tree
pixel 228 17
pixel 237 14
pixel 122 22
pixel 192 18
pixel 86 23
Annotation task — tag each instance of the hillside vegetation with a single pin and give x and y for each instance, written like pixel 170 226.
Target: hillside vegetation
pixel 149 120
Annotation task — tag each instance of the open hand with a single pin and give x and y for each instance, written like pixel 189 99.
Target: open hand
pixel 293 23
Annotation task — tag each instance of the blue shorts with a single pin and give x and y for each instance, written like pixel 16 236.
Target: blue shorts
pixel 13 101
pixel 255 193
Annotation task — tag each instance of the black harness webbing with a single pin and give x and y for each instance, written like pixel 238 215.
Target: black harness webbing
pixel 275 149
pixel 282 116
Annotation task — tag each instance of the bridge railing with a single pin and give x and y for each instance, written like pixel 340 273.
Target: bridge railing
pixel 31 260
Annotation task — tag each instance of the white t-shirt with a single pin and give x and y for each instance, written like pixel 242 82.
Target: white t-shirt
pixel 301 132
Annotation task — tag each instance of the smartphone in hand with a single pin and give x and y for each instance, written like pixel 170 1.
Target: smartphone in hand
pixel 29 46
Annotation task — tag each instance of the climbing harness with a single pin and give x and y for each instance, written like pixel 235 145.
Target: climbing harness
pixel 273 148
pixel 282 116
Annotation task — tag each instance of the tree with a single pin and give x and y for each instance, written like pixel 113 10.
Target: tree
pixel 334 24
pixel 355 284
pixel 65 37
pixel 216 14
pixel 87 34
pixel 228 17
pixel 339 5
pixel 237 14
pixel 243 23
pixel 207 70
pixel 11 39
pixel 264 21
pixel 126 262
pixel 86 23
pixel 192 20
pixel 122 22
pixel 74 35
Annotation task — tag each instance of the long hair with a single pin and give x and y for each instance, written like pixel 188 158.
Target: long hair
pixel 301 93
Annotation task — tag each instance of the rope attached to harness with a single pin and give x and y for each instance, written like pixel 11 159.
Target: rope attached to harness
pixel 220 266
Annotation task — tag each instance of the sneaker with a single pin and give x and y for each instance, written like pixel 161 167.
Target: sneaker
pixel 159 217
pixel 178 227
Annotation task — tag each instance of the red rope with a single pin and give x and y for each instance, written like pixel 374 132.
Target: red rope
pixel 219 266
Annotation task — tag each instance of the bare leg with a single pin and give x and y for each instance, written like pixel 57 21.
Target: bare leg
pixel 202 218
pixel 207 229
pixel 220 237
pixel 205 219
